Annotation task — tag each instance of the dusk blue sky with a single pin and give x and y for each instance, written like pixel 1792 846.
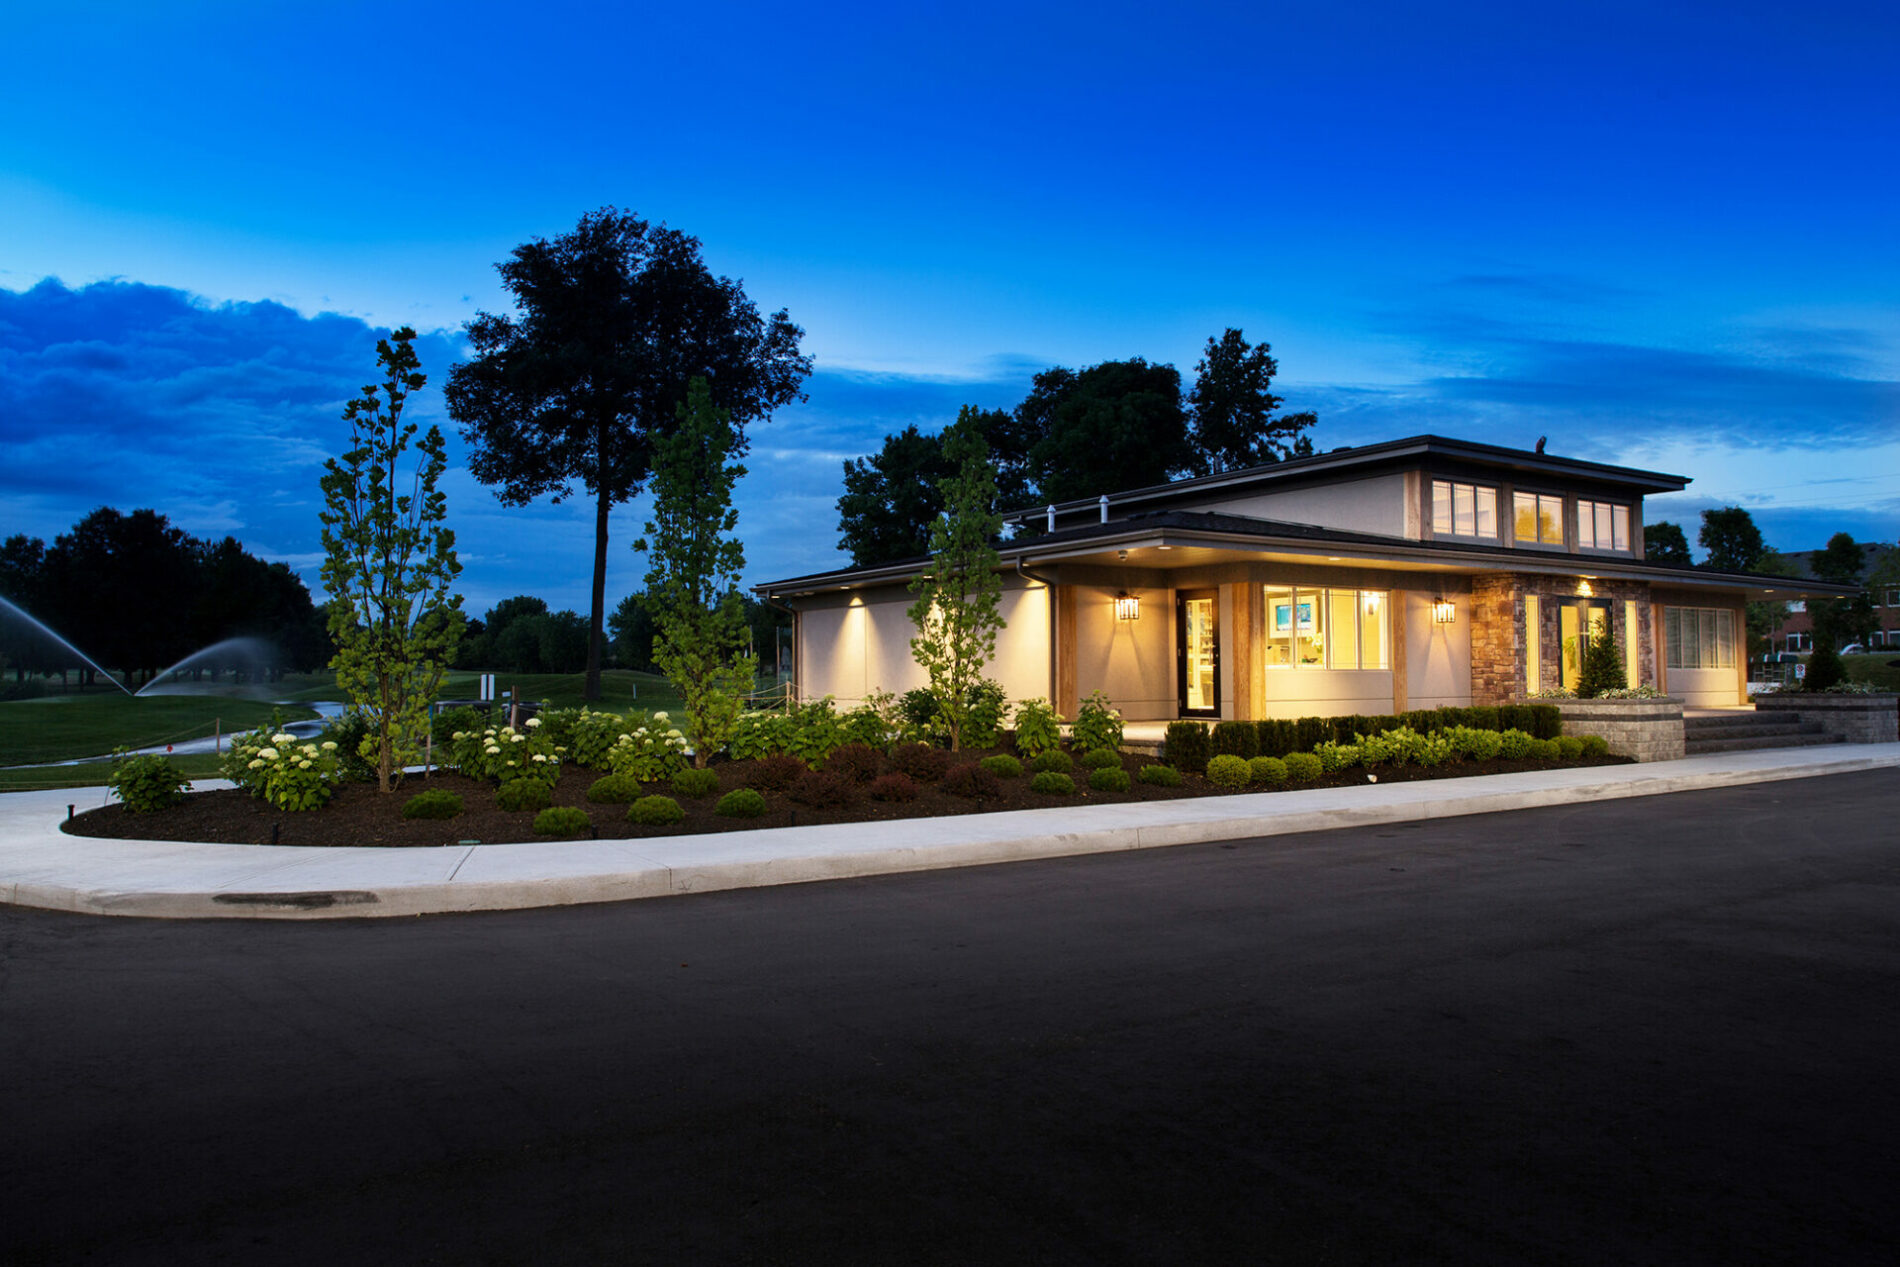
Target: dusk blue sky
pixel 1665 239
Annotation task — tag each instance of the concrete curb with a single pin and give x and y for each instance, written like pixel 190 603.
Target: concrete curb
pixel 40 866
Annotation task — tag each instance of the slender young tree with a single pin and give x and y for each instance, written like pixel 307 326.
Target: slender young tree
pixel 615 319
pixel 389 563
pixel 694 563
pixel 955 612
pixel 1235 424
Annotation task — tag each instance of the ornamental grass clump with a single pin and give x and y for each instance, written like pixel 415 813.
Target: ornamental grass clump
pixel 1053 783
pixel 563 820
pixel 1302 767
pixel 1109 779
pixel 1159 775
pixel 519 796
pixel 434 803
pixel 1003 766
pixel 740 803
pixel 1270 771
pixel 146 784
pixel 656 811
pixel 1228 771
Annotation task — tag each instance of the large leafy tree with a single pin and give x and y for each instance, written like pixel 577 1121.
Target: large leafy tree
pixel 1844 620
pixel 955 612
pixel 1235 423
pixel 694 563
pixel 614 321
pixel 389 562
pixel 1111 426
pixel 892 498
pixel 1664 544
pixel 1732 540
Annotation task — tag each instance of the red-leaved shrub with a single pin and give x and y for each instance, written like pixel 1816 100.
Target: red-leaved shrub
pixel 822 789
pixel 893 787
pixel 775 774
pixel 858 762
pixel 973 781
pixel 920 761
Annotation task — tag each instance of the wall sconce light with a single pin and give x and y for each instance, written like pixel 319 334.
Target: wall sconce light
pixel 1444 611
pixel 1127 606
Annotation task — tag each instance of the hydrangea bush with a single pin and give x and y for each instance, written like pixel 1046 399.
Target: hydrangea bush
pixel 293 776
pixel 650 752
pixel 501 754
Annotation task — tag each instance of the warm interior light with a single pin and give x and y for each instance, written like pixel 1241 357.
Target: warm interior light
pixel 1444 611
pixel 1127 606
pixel 1372 603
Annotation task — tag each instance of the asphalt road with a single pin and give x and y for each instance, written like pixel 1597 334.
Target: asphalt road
pixel 1663 1030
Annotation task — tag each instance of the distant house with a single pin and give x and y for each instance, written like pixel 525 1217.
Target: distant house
pixel 1410 574
pixel 1795 632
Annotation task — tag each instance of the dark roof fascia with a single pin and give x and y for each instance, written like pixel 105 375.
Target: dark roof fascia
pixel 1185 528
pixel 1386 453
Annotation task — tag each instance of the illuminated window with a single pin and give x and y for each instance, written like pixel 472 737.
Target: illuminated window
pixel 1326 628
pixel 1464 510
pixel 1603 526
pixel 1699 637
pixel 1540 518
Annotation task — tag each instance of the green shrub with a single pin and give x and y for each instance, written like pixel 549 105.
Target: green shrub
pixel 1302 767
pixel 1547 721
pixel 824 789
pixel 1594 745
pixel 1334 756
pixel 817 732
pixel 1101 759
pixel 1514 744
pixel 919 711
pixel 652 750
pixel 1268 770
pixel 1109 779
pixel 1227 770
pixel 740 803
pixel 1825 667
pixel 1235 739
pixel 760 734
pixel 1054 760
pixel 1159 775
pixel 563 820
pixel 775 774
pixel 435 803
pixel 292 776
pixel 922 762
pixel 856 761
pixel 1515 717
pixel 1474 744
pixel 1003 766
pixel 614 789
pixel 521 795
pixel 1483 717
pixel 983 722
pixel 1038 729
pixel 1098 726
pixel 894 787
pixel 588 736
pixel 1602 668
pixel 348 733
pixel 1187 748
pixel 146 784
pixel 1053 783
pixel 698 784
pixel 504 754
pixel 1547 750
pixel 1275 737
pixel 656 811
pixel 973 782
pixel 1569 747
pixel 873 723
pixel 1310 732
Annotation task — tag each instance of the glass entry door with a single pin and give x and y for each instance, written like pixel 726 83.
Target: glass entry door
pixel 1579 621
pixel 1197 651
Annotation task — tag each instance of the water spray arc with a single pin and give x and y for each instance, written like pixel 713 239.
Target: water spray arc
pixel 47 630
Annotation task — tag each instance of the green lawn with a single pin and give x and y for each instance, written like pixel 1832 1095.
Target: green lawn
pixel 620 689
pixel 1875 668
pixel 64 727
pixel 93 774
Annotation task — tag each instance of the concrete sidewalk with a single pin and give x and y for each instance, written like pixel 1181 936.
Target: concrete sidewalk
pixel 44 867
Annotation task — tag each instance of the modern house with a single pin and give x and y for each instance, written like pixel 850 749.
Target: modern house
pixel 1410 574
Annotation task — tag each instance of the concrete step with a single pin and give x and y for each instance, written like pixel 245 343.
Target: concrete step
pixel 1799 739
pixel 1753 730
pixel 1728 721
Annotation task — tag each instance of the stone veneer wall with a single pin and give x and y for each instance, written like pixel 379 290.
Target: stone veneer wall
pixel 1856 718
pixel 1646 729
pixel 1497 631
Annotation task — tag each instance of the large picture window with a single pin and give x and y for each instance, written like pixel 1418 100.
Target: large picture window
pixel 1602 526
pixel 1699 637
pixel 1539 518
pixel 1326 628
pixel 1464 510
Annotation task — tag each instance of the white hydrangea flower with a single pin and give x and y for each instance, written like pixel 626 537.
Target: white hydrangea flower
pixel 539 757
pixel 517 738
pixel 283 738
pixel 303 765
pixel 492 750
pixel 534 721
pixel 329 745
pixel 459 735
pixel 661 716
pixel 255 764
pixel 674 734
pixel 269 754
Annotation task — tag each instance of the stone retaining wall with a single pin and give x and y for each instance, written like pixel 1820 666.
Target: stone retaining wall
pixel 1856 718
pixel 1646 729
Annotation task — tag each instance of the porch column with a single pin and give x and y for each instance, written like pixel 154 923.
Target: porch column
pixel 1067 701
pixel 1400 686
pixel 1245 653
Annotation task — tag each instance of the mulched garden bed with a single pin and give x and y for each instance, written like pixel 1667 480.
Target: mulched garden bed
pixel 360 815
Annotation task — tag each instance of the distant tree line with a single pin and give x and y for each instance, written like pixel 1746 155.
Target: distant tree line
pixel 137 594
pixel 521 635
pixel 1080 433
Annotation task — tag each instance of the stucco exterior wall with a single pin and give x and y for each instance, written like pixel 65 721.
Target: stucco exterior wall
pixel 851 645
pixel 1707 687
pixel 1326 692
pixel 1437 657
pixel 1131 660
pixel 1376 505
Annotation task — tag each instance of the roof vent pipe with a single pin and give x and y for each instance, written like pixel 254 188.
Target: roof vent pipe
pixel 1052 519
pixel 1104 505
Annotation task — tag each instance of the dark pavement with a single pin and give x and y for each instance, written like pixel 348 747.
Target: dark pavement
pixel 1663 1030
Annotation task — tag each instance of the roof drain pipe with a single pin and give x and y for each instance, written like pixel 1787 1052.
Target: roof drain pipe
pixel 1049 583
pixel 1104 505
pixel 1050 519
